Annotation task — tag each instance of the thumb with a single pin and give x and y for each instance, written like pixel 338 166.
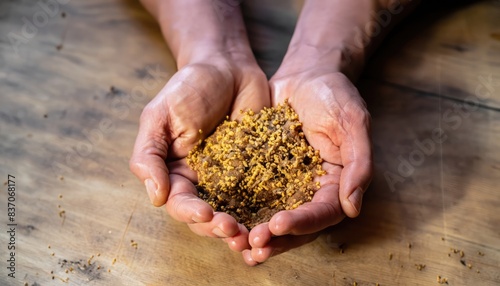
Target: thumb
pixel 148 158
pixel 358 169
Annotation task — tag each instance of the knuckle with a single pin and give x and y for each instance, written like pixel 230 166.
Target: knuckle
pixel 358 115
pixel 364 116
pixel 133 165
pixel 147 113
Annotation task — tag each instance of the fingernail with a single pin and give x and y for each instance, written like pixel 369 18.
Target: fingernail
pixel 217 231
pixel 355 199
pixel 151 188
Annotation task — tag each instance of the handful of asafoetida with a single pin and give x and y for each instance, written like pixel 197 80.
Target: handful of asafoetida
pixel 254 168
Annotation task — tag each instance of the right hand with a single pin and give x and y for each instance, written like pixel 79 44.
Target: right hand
pixel 335 121
pixel 198 97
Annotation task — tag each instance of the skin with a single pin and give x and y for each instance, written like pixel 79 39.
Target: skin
pixel 218 76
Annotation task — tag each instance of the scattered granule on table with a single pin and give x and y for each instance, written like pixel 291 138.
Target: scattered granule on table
pixel 254 168
pixel 89 261
pixel 442 280
pixel 134 244
pixel 420 267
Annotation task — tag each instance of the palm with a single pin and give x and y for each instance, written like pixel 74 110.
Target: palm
pixel 198 97
pixel 336 123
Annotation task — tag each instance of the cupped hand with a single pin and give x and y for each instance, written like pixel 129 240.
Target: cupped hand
pixel 335 122
pixel 193 102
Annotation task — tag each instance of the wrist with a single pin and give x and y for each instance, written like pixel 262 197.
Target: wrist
pixel 215 53
pixel 340 35
pixel 197 32
pixel 337 57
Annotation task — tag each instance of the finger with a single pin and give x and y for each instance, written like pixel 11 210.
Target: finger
pixel 148 158
pixel 183 203
pixel 181 168
pixel 239 242
pixel 247 257
pixel 323 211
pixel 358 166
pixel 260 235
pixel 280 245
pixel 221 225
pixel 260 255
pixel 253 95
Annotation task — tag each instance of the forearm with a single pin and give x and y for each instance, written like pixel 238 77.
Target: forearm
pixel 339 34
pixel 195 30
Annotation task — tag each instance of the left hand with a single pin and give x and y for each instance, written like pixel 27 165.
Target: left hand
pixel 197 97
pixel 335 122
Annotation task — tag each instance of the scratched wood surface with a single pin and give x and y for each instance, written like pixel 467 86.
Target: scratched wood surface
pixel 445 50
pixel 70 97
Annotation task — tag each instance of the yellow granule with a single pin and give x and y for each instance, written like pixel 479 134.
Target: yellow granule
pixel 257 167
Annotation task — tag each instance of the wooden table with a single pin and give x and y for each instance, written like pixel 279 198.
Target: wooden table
pixel 71 92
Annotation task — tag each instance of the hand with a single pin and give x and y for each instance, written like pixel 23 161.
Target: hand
pixel 335 122
pixel 197 97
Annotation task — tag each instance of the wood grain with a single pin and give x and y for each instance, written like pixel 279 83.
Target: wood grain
pixel 69 117
pixel 445 50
